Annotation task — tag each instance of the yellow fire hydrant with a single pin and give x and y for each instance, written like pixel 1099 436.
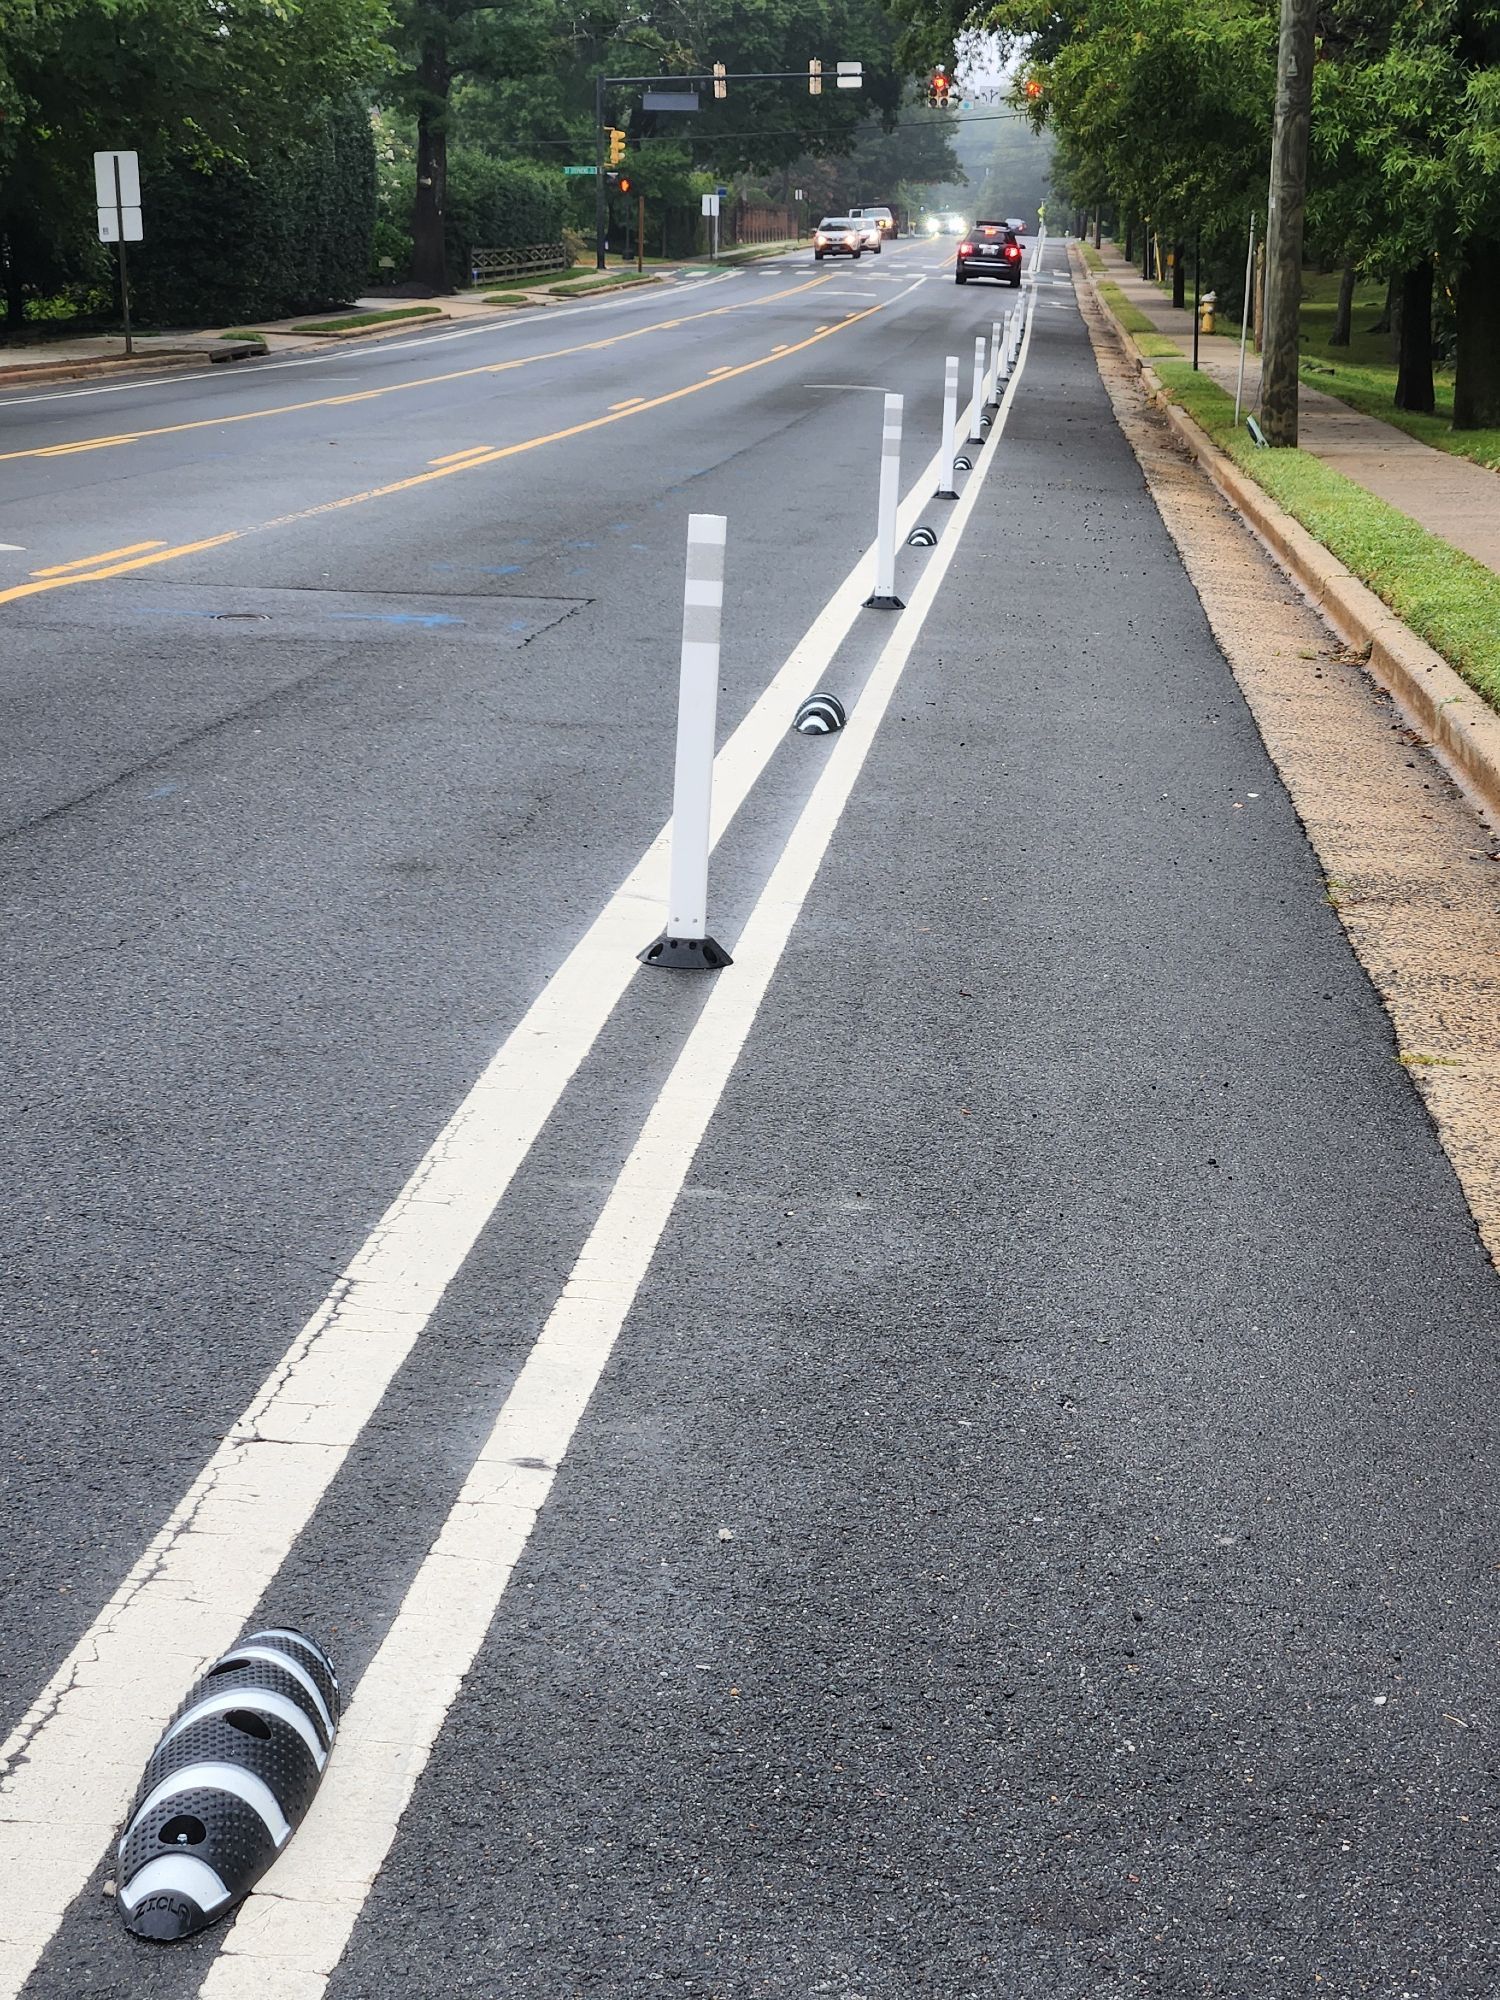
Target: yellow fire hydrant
pixel 1206 312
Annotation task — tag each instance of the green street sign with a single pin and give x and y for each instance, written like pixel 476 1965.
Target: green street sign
pixel 580 170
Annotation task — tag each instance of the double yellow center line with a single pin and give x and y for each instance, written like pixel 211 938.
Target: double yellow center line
pixel 144 555
pixel 397 388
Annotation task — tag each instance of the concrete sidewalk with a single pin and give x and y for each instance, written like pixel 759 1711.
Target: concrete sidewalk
pixel 1451 497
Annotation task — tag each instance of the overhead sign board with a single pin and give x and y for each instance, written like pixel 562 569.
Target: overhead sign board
pixel 669 100
pixel 851 76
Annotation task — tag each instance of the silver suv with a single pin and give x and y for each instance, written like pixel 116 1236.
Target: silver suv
pixel 884 218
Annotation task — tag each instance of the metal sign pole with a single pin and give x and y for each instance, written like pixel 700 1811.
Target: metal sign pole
pixel 600 203
pixel 124 265
pixel 1239 384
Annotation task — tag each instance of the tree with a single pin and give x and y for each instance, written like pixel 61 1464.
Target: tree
pixel 201 79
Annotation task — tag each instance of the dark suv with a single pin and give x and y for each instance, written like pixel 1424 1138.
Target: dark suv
pixel 989 250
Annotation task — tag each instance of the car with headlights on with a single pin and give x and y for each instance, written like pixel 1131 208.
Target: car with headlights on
pixel 837 236
pixel 990 250
pixel 885 217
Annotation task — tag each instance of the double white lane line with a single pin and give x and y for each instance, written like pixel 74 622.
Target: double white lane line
pixel 286 1942
pixel 67 1773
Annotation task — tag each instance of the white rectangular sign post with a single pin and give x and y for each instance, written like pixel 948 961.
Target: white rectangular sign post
pixel 711 210
pixel 117 190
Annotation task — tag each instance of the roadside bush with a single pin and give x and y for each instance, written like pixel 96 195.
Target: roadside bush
pixel 288 233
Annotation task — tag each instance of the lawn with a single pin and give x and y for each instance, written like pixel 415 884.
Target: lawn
pixel 1445 596
pixel 1363 374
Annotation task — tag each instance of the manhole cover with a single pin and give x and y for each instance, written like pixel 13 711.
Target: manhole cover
pixel 261 617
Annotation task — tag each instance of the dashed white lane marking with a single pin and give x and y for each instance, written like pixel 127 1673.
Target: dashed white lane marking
pixel 292 1932
pixel 68 1770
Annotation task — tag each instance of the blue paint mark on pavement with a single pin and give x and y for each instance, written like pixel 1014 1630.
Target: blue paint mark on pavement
pixel 426 619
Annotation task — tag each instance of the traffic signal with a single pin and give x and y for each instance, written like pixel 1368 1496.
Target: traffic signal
pixel 815 78
pixel 1033 88
pixel 721 88
pixel 619 183
pixel 939 88
pixel 616 144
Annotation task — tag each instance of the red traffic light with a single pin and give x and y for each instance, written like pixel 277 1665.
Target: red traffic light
pixel 1033 87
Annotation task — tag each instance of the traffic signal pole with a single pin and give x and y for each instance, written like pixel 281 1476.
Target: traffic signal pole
pixel 601 203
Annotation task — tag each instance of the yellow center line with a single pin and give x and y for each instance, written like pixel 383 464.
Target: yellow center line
pixel 85 444
pixel 488 457
pixel 393 388
pixel 628 404
pixel 452 457
pixel 82 562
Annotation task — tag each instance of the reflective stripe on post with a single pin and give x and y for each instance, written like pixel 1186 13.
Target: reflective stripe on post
pixel 976 407
pixel 947 490
pixel 885 598
pixel 685 944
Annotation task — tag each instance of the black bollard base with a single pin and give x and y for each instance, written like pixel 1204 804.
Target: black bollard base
pixel 685 954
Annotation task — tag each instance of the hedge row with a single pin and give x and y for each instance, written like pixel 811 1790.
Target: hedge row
pixel 491 204
pixel 288 234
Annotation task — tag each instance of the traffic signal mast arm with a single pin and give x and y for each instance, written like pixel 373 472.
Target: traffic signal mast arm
pixel 847 76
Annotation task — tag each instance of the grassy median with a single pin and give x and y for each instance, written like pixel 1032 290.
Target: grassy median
pixel 1446 597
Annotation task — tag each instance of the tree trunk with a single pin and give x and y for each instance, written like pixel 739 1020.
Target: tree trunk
pixel 1129 241
pixel 1345 309
pixel 15 295
pixel 1179 274
pixel 1284 219
pixel 1414 365
pixel 429 262
pixel 1383 324
pixel 1098 228
pixel 1476 379
pixel 1394 311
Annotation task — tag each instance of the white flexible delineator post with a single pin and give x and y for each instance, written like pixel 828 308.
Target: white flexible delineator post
pixel 946 488
pixel 885 598
pixel 976 407
pixel 995 338
pixel 685 944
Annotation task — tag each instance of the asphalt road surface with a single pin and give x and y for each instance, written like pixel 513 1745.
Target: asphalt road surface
pixel 945 1459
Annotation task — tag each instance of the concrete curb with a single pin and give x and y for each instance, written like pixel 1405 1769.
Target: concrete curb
pixel 103 364
pixel 1442 706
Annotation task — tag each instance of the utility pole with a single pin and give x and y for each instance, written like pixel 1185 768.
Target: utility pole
pixel 1285 207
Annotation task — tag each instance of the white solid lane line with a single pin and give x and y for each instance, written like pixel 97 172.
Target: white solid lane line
pixel 68 1770
pixel 292 1932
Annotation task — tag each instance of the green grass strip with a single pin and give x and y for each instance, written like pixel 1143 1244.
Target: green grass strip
pixel 605 282
pixel 366 319
pixel 1091 257
pixel 1446 597
pixel 1130 316
pixel 506 299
